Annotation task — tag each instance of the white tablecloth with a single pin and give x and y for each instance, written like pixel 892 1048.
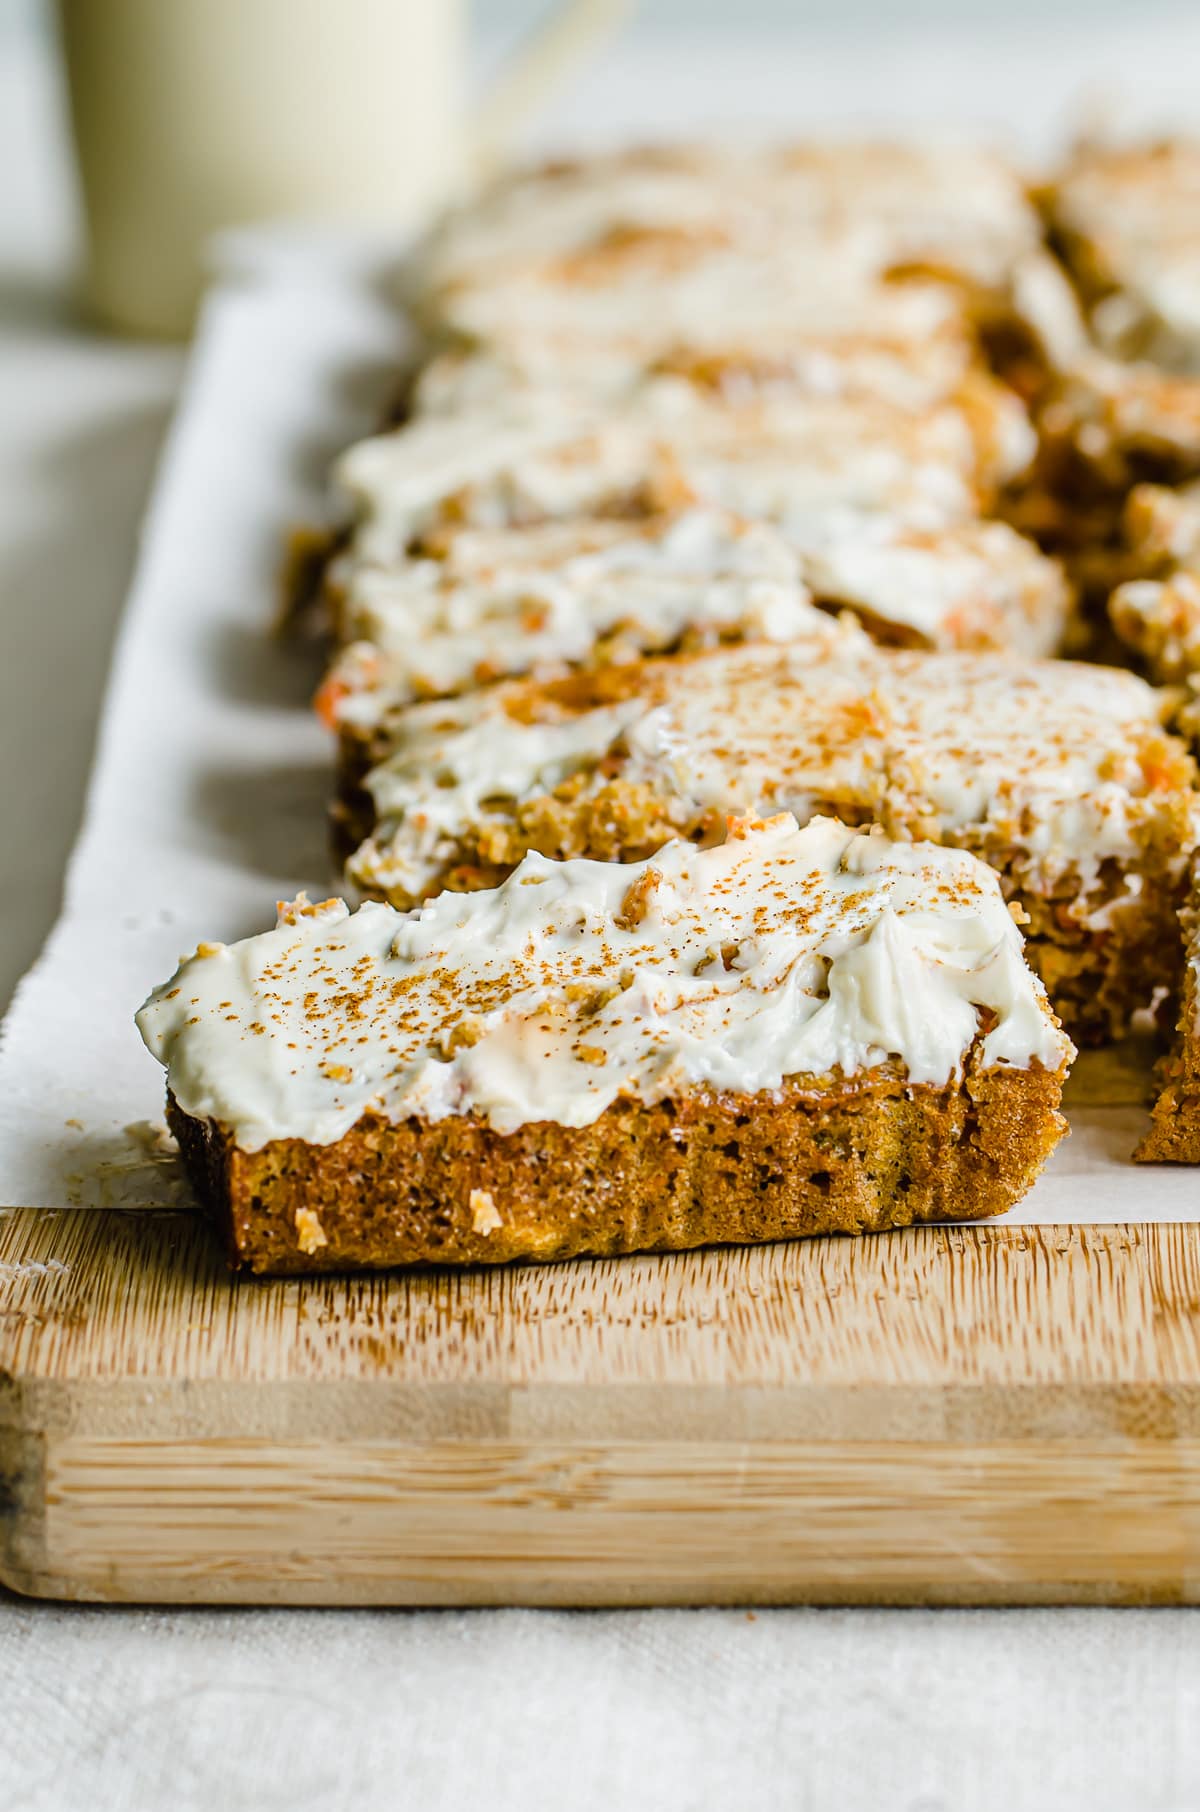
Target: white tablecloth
pixel 899 1712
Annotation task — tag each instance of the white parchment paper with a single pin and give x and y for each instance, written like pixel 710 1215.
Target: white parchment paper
pixel 208 798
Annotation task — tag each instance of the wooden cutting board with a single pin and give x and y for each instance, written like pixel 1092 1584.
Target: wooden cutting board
pixel 993 1415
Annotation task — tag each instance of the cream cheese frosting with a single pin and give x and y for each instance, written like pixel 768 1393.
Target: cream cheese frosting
pixel 539 599
pixel 788 460
pixel 662 288
pixel 955 209
pixel 536 599
pixel 966 585
pixel 784 952
pixel 1059 765
pixel 908 343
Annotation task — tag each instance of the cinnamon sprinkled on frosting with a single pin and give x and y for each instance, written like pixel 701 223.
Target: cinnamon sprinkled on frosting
pixel 781 953
pixel 1060 765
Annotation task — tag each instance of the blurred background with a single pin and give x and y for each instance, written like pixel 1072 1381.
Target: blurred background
pixel 844 15
pixel 1025 73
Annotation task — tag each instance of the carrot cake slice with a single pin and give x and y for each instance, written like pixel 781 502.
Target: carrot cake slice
pixel 1059 774
pixel 1157 612
pixel 1174 1135
pixel 636 294
pixel 1124 218
pixel 648 286
pixel 907 343
pixel 746 239
pixel 559 595
pixel 879 503
pixel 481 605
pixel 505 600
pixel 1127 407
pixel 964 214
pixel 788 459
pixel 1106 426
pixel 799 1031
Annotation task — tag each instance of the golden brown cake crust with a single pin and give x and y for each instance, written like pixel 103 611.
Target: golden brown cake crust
pixel 1174 1135
pixel 851 1155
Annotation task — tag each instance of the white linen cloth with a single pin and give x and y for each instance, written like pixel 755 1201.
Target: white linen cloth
pixel 631 1711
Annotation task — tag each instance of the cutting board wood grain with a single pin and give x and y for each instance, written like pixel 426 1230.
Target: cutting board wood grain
pixel 966 1416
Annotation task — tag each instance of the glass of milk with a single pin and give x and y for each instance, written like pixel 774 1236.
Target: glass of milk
pixel 194 115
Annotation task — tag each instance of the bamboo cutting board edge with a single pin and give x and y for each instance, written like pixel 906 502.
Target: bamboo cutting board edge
pixel 984 1415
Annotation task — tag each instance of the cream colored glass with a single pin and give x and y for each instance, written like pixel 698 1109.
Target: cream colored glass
pixel 192 115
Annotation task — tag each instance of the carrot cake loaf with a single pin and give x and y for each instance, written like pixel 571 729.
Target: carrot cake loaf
pixel 1174 1136
pixel 1058 774
pixel 799 1031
